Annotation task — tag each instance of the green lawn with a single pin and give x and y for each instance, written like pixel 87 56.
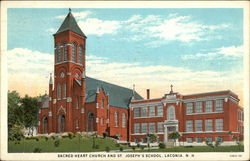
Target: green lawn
pixel 77 144
pixel 66 145
pixel 198 149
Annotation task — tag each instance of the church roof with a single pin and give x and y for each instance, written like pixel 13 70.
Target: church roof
pixel 70 24
pixel 118 96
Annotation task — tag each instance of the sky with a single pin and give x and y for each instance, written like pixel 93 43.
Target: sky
pixel 196 50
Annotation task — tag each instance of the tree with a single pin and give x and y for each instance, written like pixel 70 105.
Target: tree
pixel 151 138
pixel 30 109
pixel 174 135
pixel 14 110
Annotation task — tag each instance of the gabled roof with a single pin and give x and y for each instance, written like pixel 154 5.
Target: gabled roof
pixel 118 96
pixel 70 24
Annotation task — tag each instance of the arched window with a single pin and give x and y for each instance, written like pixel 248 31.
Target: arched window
pixel 123 120
pixel 80 55
pixel 65 52
pixel 64 90
pixel 58 91
pixel 116 119
pixel 58 58
pixel 74 52
pixel 171 113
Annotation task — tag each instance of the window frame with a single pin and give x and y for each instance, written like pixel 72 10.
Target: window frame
pixel 189 108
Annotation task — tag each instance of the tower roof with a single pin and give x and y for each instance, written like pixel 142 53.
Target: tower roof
pixel 70 24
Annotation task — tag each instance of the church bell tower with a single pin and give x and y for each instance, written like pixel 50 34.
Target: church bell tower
pixel 69 76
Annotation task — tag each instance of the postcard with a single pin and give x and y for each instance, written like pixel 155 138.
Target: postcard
pixel 125 80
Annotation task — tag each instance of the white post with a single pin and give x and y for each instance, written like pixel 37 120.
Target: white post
pixel 165 134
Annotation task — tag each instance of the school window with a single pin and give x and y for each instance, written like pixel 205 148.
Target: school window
pixel 144 140
pixel 198 125
pixel 123 120
pixel 189 126
pixel 199 140
pixel 208 106
pixel 219 105
pixel 220 138
pixel 144 128
pixel 209 125
pixel 152 127
pixel 136 112
pixel 159 126
pixel 136 140
pixel 159 110
pixel 189 140
pixel 219 124
pixel 152 111
pixel 189 108
pixel 209 139
pixel 144 111
pixel 198 107
pixel 171 113
pixel 116 119
pixel 136 128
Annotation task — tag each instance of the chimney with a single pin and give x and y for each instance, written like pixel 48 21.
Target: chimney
pixel 148 94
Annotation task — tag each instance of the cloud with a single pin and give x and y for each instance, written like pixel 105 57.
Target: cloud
pixel 162 28
pixel 28 73
pixel 231 52
pixel 51 30
pixel 98 27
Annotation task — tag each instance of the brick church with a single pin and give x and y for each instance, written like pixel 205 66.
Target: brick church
pixel 78 103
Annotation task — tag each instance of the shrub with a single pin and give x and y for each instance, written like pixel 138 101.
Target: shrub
pixel 70 134
pixel 107 149
pixel 15 133
pixel 56 143
pixel 104 134
pixel 97 146
pixel 133 147
pixel 162 145
pixel 37 150
pixel 117 145
pixel 142 147
pixel 53 137
pixel 37 139
pixel 121 148
pixel 46 138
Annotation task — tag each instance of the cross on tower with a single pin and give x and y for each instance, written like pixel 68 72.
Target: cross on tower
pixel 171 88
pixel 69 9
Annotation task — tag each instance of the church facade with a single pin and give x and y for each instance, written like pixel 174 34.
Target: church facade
pixel 77 103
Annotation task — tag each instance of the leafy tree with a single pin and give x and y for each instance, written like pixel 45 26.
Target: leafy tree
pixel 14 110
pixel 174 135
pixel 151 138
pixel 16 133
pixel 30 109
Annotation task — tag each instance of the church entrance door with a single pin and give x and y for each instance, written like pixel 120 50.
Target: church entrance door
pixel 61 124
